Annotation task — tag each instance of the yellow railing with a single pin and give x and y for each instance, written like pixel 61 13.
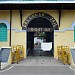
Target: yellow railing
pixel 17 53
pixel 64 54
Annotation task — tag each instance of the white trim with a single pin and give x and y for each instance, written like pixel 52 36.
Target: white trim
pixel 34 2
pixel 18 30
pixel 7 69
pixel 6 22
pixel 72 68
pixel 5 47
pixel 65 29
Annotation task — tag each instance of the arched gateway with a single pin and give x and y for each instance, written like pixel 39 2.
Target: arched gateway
pixel 40 29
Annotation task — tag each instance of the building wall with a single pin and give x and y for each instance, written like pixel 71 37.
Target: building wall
pixel 5 15
pixel 65 38
pixel 16 19
pixel 67 18
pixel 53 13
pixel 19 38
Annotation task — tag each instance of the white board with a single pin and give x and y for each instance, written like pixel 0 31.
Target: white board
pixel 46 46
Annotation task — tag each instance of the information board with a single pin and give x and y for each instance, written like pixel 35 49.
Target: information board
pixel 4 54
pixel 40 29
pixel 46 46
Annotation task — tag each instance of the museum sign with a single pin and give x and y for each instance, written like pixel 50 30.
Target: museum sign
pixel 37 15
pixel 40 29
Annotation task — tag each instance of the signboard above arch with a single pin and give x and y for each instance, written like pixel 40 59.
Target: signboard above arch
pixel 42 15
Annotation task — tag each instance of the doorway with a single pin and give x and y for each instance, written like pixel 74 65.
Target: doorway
pixel 39 32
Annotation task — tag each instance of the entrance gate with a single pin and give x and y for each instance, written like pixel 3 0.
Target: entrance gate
pixel 40 26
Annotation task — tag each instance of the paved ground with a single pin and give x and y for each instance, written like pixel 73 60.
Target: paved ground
pixel 39 66
pixel 39 70
pixel 40 61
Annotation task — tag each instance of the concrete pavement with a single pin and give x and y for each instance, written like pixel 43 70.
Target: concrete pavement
pixel 39 70
pixel 39 66
pixel 40 61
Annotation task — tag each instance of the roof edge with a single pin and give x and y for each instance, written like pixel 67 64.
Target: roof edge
pixel 34 2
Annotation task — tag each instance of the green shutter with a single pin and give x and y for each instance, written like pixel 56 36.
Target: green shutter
pixel 3 32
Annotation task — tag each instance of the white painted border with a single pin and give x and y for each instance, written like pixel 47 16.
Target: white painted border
pixel 72 68
pixel 65 29
pixel 7 69
pixel 33 2
pixel 24 65
pixel 6 22
pixel 18 30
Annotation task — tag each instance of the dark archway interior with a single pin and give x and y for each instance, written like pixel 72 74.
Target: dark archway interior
pixel 39 23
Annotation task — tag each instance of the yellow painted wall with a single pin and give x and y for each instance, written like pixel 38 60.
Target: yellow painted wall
pixel 16 19
pixel 26 13
pixel 5 15
pixel 63 38
pixel 60 38
pixel 19 38
pixel 67 17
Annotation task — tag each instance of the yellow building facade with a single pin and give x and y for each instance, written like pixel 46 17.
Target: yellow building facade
pixel 64 36
pixel 61 36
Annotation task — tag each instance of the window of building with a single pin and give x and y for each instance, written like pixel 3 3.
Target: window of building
pixel 3 32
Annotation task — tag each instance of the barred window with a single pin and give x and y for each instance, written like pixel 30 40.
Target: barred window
pixel 3 32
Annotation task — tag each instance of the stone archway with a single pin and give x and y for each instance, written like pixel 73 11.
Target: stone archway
pixel 50 27
pixel 37 15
